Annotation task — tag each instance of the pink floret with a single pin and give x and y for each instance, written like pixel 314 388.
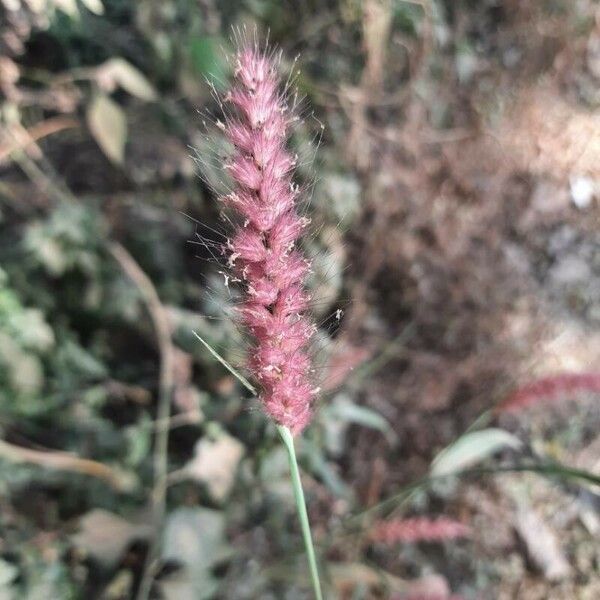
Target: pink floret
pixel 248 244
pixel 286 231
pixel 246 172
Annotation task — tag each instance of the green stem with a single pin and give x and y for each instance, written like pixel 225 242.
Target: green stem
pixel 288 440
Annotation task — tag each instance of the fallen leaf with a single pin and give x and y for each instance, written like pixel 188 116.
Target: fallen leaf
pixel 184 586
pixel 542 545
pixel 215 463
pixel 108 125
pixel 346 577
pixel 105 536
pixel 194 538
pixel 119 72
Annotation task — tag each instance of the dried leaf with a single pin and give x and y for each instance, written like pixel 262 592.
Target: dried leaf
pixel 183 586
pixel 215 463
pixel 195 539
pixel 108 125
pixel 347 577
pixel 542 545
pixel 118 72
pixel 104 536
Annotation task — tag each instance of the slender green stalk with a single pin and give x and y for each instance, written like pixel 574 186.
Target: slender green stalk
pixel 288 440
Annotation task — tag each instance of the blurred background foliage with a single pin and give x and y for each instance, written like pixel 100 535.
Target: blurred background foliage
pixel 455 196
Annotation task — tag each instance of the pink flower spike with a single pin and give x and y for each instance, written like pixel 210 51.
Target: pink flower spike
pixel 263 250
pixel 550 389
pixel 418 529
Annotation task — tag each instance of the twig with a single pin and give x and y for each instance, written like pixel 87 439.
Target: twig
pixel 61 461
pixel 160 321
pixel 127 391
pixel 37 132
pixel 40 179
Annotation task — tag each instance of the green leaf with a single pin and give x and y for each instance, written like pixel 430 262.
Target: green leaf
pixel 25 370
pixel 312 454
pixel 233 371
pixel 77 359
pixel 31 329
pixel 471 449
pixel 139 442
pixel 108 125
pixel 343 411
pixel 208 58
